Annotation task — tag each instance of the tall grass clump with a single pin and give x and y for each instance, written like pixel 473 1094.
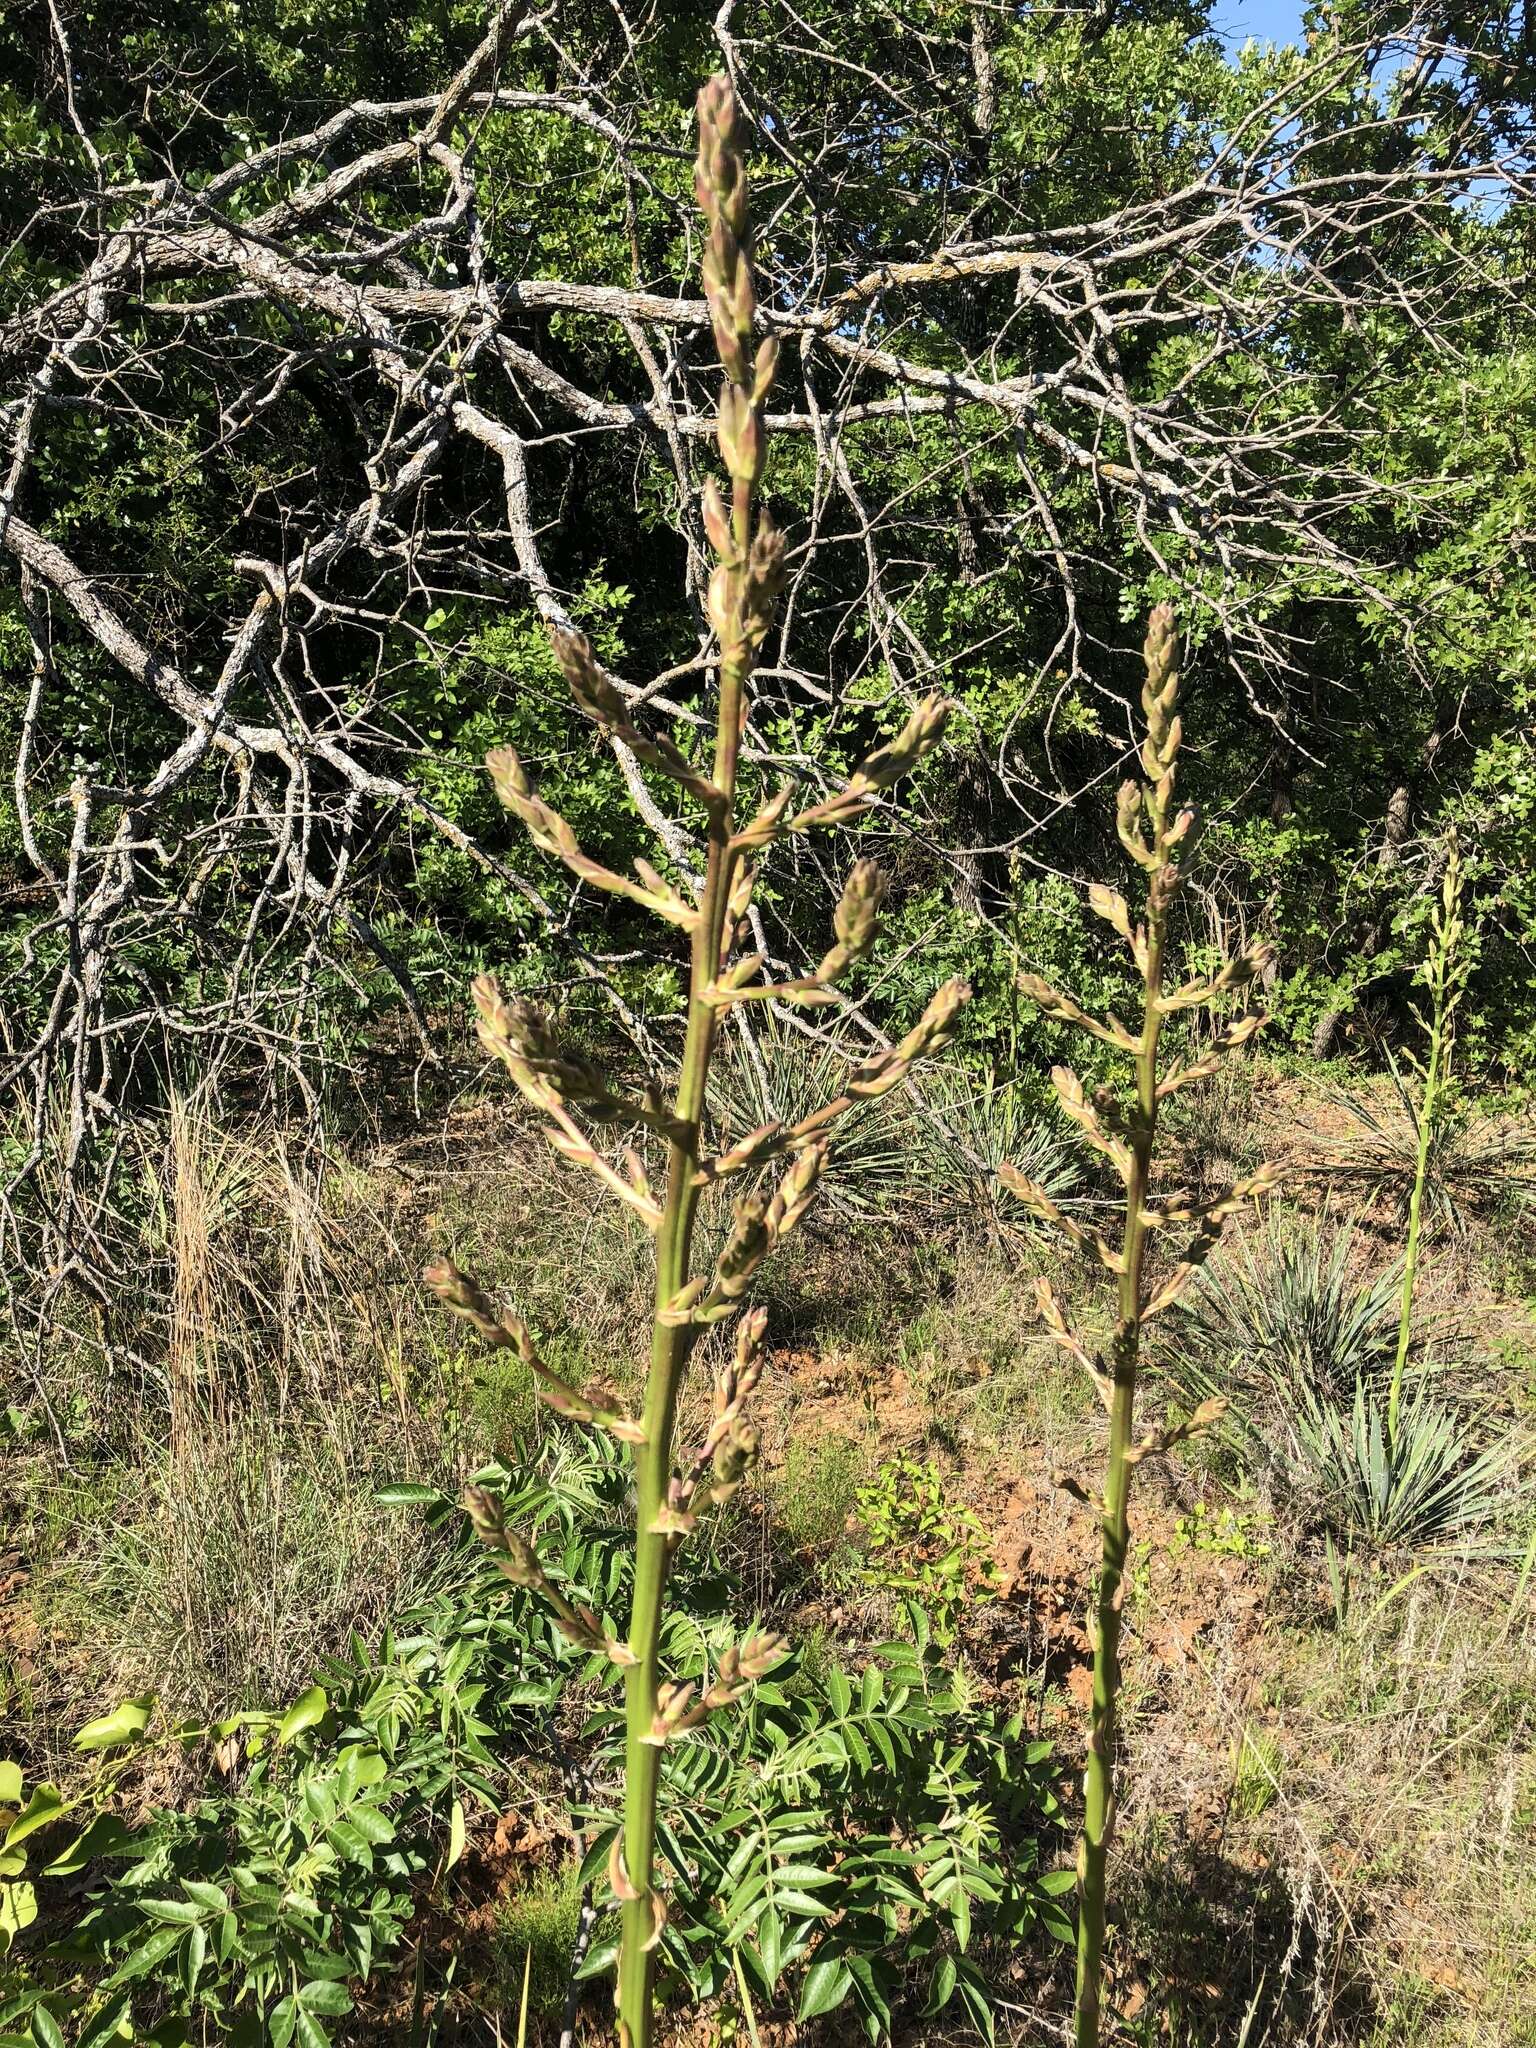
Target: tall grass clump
pixel 780 1161
pixel 1121 1125
pixel 242 1555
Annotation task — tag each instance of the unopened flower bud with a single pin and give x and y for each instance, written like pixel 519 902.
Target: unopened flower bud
pixel 919 736
pixel 487 1516
pixel 717 519
pixel 1160 648
pixel 765 368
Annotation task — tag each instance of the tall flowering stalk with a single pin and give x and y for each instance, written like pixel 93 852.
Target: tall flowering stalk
pixel 1123 1127
pixel 1445 975
pixel 782 1161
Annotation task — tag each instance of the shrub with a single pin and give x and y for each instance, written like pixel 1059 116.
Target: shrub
pixel 798 1835
pixel 921 1545
pixel 838 1812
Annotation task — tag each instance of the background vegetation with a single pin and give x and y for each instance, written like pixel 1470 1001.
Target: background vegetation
pixel 285 1762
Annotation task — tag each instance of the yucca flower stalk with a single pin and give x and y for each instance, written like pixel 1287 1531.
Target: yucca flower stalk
pixel 1124 1130
pixel 782 1161
pixel 1445 974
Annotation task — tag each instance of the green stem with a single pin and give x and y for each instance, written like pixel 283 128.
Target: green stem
pixel 670 1346
pixel 1099 1778
pixel 1429 1110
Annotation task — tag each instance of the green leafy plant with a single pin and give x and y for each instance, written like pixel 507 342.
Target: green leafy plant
pixel 1123 1131
pixel 743 589
pixel 921 1544
pixel 846 1838
pixel 251 1911
pixel 844 1832
pixel 1257 1762
pixel 21 1815
pixel 1224 1533
pixel 325 1820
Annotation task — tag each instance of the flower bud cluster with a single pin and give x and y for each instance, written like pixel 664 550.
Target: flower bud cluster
pixel 518 1561
pixel 758 1225
pixel 598 697
pixel 552 834
pixel 931 1034
pixel 882 769
pixel 680 1707
pixel 856 923
pixel 466 1298
pixel 720 186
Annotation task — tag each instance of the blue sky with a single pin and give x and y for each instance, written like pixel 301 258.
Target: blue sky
pixel 1274 21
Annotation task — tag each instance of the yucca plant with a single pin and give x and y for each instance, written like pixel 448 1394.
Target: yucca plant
pixel 1427 1481
pixel 1475 1160
pixel 969 1130
pixel 671 1493
pixel 1279 1311
pixel 1123 1128
pixel 785 1076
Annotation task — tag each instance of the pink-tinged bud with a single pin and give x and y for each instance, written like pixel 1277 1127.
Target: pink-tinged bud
pixel 717 519
pixel 1181 827
pixel 508 776
pixel 487 1516
pixel 720 603
pixel 1159 650
pixel 765 368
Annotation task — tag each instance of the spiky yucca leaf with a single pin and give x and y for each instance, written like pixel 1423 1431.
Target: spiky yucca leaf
pixel 1435 1482
pixel 1280 1311
pixel 789 1076
pixel 972 1128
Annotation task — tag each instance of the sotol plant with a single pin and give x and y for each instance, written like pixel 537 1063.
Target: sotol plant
pixel 671 1493
pixel 1124 1129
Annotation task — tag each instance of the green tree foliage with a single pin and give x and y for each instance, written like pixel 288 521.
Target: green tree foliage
pixel 1082 309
